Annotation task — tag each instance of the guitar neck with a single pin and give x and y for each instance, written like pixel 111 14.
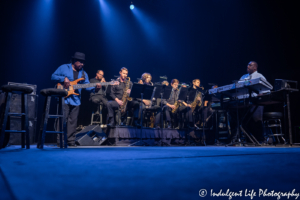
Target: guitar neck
pixel 80 86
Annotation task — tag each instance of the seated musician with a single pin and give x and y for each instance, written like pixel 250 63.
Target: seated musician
pixel 191 105
pixel 64 74
pixel 117 92
pixel 253 74
pixel 169 104
pixel 99 95
pixel 205 110
pixel 148 104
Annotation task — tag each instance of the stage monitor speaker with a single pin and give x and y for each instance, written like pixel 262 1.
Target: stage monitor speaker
pixel 91 135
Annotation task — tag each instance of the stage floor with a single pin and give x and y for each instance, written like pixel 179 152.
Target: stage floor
pixel 146 172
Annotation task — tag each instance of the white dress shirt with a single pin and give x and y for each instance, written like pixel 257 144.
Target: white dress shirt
pixel 254 75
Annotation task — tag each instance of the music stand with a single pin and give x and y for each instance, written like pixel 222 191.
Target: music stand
pixel 162 92
pixel 140 91
pixel 182 94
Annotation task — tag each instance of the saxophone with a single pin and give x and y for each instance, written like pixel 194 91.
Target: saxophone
pixel 196 102
pixel 125 97
pixel 177 103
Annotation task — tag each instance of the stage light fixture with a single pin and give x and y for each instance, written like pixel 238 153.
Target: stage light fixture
pixel 131 6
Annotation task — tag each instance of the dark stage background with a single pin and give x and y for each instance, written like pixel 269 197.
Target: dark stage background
pixel 184 39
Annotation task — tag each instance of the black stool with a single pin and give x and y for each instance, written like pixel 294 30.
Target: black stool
pixel 48 93
pixel 15 89
pixel 272 120
pixel 97 113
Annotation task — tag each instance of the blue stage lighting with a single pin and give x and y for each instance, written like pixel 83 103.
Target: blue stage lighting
pixel 131 6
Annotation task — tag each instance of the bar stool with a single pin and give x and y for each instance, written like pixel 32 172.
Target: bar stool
pixel 48 93
pixel 16 89
pixel 272 120
pixel 97 113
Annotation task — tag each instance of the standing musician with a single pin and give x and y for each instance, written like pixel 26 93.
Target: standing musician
pixel 99 94
pixel 66 73
pixel 169 104
pixel 191 105
pixel 117 92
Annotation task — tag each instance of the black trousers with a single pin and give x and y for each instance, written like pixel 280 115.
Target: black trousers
pixel 167 111
pixel 187 113
pixel 135 107
pixel 131 105
pixel 98 99
pixel 157 110
pixel 111 106
pixel 203 113
pixel 71 115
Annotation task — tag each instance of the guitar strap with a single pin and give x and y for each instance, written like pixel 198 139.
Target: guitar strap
pixel 83 74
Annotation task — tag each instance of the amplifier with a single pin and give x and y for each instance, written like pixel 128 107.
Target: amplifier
pixel 15 124
pixel 15 105
pixel 281 84
pixel 15 121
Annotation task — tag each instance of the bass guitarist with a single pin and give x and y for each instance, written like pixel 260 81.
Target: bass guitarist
pixel 64 74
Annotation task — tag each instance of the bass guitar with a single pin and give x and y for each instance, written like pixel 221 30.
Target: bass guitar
pixel 74 86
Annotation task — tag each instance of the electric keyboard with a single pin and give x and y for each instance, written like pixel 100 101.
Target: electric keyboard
pixel 241 88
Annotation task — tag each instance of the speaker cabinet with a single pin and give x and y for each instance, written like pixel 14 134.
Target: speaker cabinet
pixel 91 135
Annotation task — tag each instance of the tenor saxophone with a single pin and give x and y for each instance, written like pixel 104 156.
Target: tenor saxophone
pixel 196 101
pixel 125 97
pixel 177 103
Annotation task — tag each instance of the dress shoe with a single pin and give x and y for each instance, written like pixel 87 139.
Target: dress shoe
pixel 72 145
pixel 111 124
pixel 196 127
pixel 136 124
pixel 191 126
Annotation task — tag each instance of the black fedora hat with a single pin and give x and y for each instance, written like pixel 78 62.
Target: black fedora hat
pixel 79 56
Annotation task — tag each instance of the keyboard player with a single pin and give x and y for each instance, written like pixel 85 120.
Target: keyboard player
pixel 253 74
pixel 255 125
